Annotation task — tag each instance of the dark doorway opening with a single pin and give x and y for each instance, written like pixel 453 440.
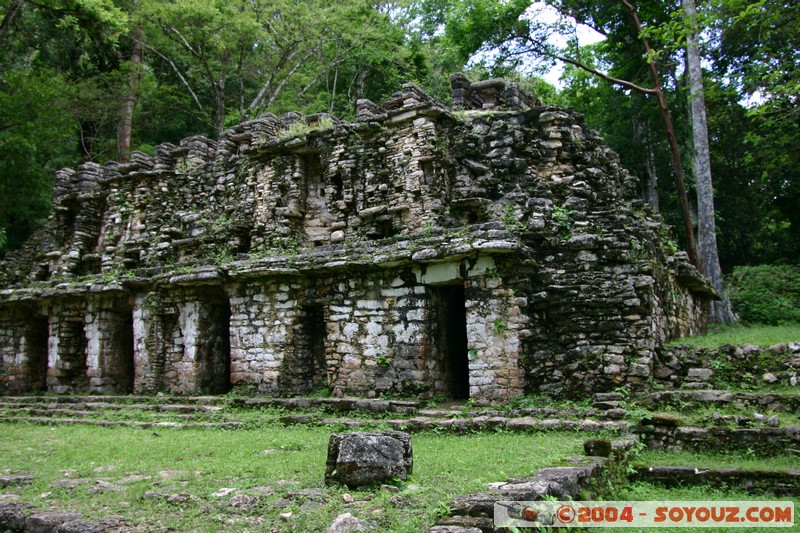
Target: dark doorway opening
pixel 37 334
pixel 215 372
pixel 450 330
pixel 123 347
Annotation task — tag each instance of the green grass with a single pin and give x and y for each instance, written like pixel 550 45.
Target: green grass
pixel 738 335
pixel 740 460
pixel 648 492
pixel 200 462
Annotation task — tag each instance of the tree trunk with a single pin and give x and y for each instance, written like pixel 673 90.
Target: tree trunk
pixel 219 107
pixel 648 169
pixel 129 103
pixel 706 225
pixel 652 177
pixel 8 19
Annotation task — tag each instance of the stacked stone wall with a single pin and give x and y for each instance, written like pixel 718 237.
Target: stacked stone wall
pixel 301 253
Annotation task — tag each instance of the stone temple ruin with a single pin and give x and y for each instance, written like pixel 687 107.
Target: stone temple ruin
pixel 482 251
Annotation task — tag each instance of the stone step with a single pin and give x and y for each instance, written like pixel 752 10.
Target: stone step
pixel 105 406
pixel 785 402
pixel 90 398
pixel 376 405
pixel 580 476
pixel 761 441
pixel 461 424
pixel 776 482
pixel 124 423
pixel 537 412
pixel 75 413
pixel 332 404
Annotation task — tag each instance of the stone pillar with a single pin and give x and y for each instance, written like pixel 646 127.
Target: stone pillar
pixel 67 348
pixel 109 331
pixel 143 318
pixel 262 316
pixel 496 326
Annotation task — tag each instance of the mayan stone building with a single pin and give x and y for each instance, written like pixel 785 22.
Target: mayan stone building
pixel 482 251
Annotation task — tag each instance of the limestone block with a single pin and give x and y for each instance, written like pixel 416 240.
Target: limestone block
pixel 357 459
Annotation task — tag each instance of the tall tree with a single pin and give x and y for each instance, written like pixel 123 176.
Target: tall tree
pixel 125 124
pixel 707 229
pixel 474 25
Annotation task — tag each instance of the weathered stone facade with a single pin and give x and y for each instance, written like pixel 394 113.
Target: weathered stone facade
pixel 478 252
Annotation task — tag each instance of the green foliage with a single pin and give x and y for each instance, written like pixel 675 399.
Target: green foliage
pixel 36 137
pixel 300 128
pixel 731 459
pixel 562 217
pixel 764 336
pixel 766 294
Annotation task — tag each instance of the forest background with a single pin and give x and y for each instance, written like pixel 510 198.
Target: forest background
pixel 94 80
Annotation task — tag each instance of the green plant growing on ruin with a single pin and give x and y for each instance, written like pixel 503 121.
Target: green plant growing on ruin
pixel 125 208
pixel 510 220
pixel 637 250
pixel 562 217
pixel 493 273
pixel 383 360
pixel 301 128
pixel 427 230
pixel 183 166
pixel 499 326
pixel 221 224
pixel 223 256
pixel 111 275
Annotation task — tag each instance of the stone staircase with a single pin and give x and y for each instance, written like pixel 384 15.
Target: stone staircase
pixel 231 412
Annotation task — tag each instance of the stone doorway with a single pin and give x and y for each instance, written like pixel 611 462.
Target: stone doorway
pixel 450 338
pixel 121 356
pixel 214 346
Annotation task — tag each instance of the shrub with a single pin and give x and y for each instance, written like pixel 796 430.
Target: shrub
pixel 766 294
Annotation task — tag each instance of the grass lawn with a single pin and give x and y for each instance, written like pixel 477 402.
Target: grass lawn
pixel 268 462
pixel 741 460
pixel 764 336
pixel 650 492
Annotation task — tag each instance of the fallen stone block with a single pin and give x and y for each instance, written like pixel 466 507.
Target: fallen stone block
pixel 357 459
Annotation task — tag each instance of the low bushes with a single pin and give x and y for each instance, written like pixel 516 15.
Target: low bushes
pixel 766 294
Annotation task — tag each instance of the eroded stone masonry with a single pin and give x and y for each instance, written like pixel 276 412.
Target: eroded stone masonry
pixel 482 251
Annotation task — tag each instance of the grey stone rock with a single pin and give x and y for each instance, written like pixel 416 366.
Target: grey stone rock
pixel 357 459
pixel 49 521
pixel 699 374
pixel 769 377
pixel 597 447
pixel 347 523
pixel 92 526
pixel 281 503
pixel 13 515
pixel 454 529
pixel 244 502
pixel 101 486
pixel 17 480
